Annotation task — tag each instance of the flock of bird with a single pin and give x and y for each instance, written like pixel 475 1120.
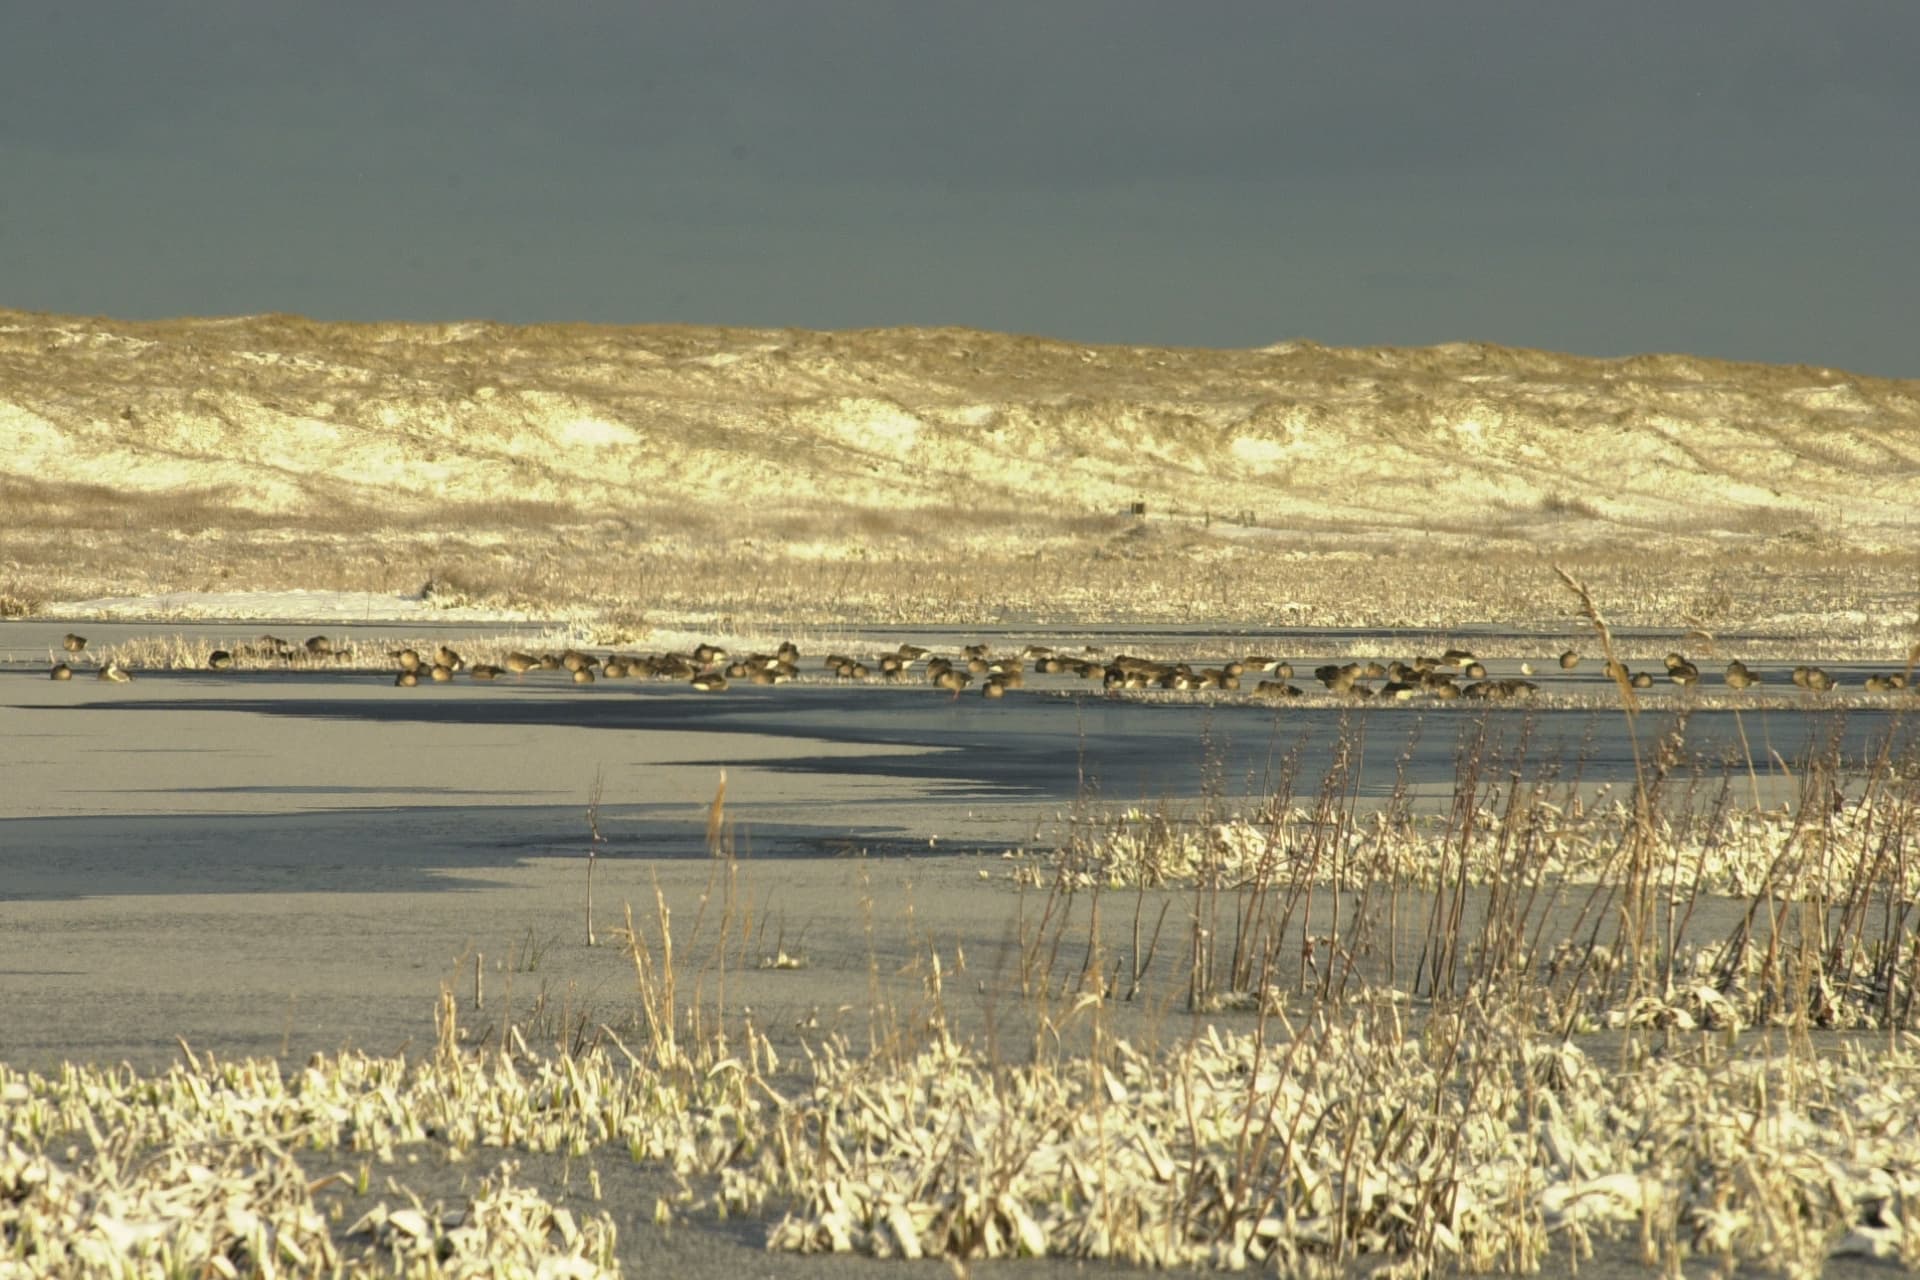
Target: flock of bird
pixel 76 645
pixel 1455 673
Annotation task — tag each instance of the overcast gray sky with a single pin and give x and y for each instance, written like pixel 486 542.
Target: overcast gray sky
pixel 1732 179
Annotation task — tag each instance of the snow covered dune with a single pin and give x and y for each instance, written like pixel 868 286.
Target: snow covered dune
pixel 281 417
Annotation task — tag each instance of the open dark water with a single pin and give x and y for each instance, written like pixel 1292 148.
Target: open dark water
pixel 818 768
pixel 1059 745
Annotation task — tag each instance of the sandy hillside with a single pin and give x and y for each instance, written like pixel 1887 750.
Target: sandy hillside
pixel 797 445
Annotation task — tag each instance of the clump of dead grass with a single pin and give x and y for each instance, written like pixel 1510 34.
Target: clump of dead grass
pixel 17 601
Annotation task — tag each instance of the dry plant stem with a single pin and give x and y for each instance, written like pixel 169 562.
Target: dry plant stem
pixel 594 840
pixel 1634 904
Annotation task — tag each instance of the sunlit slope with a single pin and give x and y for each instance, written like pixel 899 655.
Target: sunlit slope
pixel 281 418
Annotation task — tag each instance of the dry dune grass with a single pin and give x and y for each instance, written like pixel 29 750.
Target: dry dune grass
pixel 701 462
pixel 1088 573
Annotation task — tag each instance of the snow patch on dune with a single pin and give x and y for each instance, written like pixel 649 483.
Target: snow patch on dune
pixel 874 425
pixel 595 433
pixel 1258 453
pixel 31 441
pixel 974 415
